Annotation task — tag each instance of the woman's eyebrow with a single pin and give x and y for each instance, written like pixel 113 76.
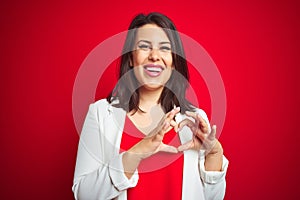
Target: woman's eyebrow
pixel 146 41
pixel 164 43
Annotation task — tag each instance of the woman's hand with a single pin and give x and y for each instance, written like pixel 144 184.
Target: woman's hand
pixel 151 144
pixel 203 139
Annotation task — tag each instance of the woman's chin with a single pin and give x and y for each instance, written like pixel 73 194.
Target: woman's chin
pixel 153 86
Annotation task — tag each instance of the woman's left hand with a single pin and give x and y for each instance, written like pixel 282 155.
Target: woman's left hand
pixel 203 139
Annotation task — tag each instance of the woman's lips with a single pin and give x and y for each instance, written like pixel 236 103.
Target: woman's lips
pixel 153 70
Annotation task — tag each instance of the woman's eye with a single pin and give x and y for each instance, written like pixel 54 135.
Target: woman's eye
pixel 144 46
pixel 165 48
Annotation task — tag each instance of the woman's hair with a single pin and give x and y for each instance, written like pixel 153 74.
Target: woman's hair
pixel 126 91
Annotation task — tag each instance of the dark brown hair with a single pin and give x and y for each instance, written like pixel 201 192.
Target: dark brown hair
pixel 126 91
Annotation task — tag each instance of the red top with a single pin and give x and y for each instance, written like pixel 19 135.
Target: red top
pixel 160 176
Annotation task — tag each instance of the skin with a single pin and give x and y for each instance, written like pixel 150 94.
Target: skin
pixel 148 122
pixel 152 46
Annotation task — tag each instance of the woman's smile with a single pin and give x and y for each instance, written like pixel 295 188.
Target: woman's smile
pixel 152 58
pixel 153 70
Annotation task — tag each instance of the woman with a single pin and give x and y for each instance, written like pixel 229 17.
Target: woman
pixel 146 141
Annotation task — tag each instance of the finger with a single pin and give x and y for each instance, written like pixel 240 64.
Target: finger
pixel 165 127
pixel 199 134
pixel 186 146
pixel 186 122
pixel 170 115
pixel 213 132
pixel 202 123
pixel 160 130
pixel 174 125
pixel 191 114
pixel 204 136
pixel 168 148
pixel 199 120
pixel 162 121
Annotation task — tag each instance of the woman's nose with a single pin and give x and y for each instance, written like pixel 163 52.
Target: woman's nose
pixel 154 54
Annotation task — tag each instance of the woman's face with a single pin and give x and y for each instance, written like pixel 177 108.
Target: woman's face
pixel 152 57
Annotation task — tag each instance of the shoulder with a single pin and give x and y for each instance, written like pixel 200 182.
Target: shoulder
pixel 100 104
pixel 100 107
pixel 103 108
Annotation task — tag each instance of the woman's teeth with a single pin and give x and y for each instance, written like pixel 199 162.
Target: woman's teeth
pixel 154 69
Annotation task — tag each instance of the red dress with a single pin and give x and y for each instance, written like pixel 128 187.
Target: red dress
pixel 160 176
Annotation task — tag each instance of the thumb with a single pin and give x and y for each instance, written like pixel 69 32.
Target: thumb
pixel 186 146
pixel 168 148
pixel 213 132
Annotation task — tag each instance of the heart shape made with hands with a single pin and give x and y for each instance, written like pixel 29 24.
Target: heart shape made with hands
pixel 203 137
pixel 152 142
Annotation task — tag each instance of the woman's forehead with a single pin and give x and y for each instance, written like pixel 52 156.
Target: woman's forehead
pixel 151 33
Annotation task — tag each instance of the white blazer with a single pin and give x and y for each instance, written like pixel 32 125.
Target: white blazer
pixel 99 171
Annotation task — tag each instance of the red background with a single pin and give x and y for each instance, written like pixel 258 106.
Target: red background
pixel 255 46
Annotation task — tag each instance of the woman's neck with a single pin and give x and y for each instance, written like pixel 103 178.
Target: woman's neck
pixel 152 112
pixel 149 98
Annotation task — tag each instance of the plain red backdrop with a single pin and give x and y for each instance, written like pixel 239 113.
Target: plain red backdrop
pixel 254 44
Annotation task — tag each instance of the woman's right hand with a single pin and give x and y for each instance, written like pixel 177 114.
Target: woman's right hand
pixel 151 144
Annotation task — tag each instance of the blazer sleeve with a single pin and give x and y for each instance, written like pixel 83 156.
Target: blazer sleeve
pixel 96 176
pixel 214 183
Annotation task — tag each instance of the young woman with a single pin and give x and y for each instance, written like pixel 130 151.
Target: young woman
pixel 146 141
